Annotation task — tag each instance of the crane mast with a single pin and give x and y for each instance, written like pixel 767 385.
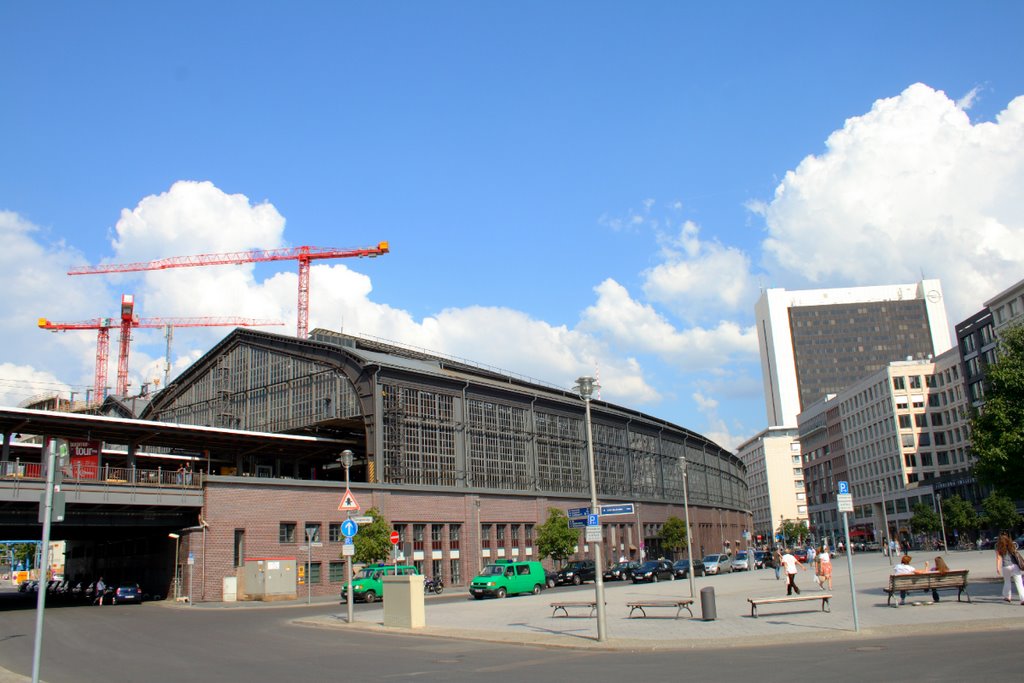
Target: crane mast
pixel 127 321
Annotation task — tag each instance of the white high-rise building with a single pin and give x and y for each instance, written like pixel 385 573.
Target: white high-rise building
pixel 817 342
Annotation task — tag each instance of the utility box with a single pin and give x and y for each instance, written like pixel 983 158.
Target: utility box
pixel 404 605
pixel 230 591
pixel 269 578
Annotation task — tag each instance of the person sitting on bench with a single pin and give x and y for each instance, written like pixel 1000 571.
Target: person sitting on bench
pixel 902 569
pixel 940 568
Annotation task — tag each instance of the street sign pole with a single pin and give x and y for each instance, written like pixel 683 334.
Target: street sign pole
pixel 50 456
pixel 346 462
pixel 844 502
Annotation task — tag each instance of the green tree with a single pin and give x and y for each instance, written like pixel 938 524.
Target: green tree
pixel 960 515
pixel 925 520
pixel 1000 512
pixel 673 534
pixel 373 542
pixel 554 537
pixel 997 430
pixel 793 531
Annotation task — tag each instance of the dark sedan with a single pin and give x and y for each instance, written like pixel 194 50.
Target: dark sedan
pixel 682 568
pixel 577 572
pixel 125 593
pixel 653 571
pixel 622 571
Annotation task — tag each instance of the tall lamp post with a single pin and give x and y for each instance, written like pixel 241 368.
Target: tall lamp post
pixel 585 386
pixel 942 524
pixel 689 536
pixel 346 462
pixel 889 545
pixel 177 546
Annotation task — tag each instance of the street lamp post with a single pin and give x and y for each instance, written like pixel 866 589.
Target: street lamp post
pixel 942 524
pixel 689 536
pixel 346 462
pixel 586 386
pixel 889 545
pixel 177 546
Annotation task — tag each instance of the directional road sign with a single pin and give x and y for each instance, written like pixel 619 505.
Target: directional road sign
pixel 349 528
pixel 577 523
pixel 364 519
pixel 621 509
pixel 577 512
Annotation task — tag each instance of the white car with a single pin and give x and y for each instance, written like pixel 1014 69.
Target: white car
pixel 717 564
pixel 740 563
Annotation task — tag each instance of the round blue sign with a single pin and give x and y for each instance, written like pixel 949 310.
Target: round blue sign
pixel 349 528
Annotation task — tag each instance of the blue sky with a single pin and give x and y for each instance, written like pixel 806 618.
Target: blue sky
pixel 565 186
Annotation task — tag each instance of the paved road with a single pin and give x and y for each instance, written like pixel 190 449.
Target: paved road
pixel 159 642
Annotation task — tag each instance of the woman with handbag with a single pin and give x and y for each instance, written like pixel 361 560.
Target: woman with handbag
pixel 1008 563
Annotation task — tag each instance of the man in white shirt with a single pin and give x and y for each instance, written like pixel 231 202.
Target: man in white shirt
pixel 790 562
pixel 903 568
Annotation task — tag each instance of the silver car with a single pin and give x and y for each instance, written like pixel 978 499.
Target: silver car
pixel 718 563
pixel 740 563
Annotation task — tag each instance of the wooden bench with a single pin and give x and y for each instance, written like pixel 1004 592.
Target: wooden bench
pixel 931 581
pixel 680 605
pixel 592 604
pixel 824 597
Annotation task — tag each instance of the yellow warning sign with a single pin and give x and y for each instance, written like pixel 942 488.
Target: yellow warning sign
pixel 348 501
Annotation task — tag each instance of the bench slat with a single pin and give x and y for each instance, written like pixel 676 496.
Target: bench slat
pixel 824 597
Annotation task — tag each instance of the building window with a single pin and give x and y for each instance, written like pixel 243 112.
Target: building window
pixel 898 383
pixel 417 536
pixel 455 571
pixel 915 381
pixel 435 569
pixel 515 535
pixel 454 532
pixel 313 573
pixel 485 536
pixel 500 536
pixel 312 532
pixel 336 572
pixel 286 532
pixel 435 535
pixel 239 547
pixel 334 532
pixel 528 535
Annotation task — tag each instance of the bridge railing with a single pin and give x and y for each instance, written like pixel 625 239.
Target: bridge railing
pixel 83 473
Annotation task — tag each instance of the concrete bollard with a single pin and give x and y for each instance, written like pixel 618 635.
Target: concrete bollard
pixel 708 612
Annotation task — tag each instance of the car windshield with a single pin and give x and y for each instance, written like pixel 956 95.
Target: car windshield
pixel 649 566
pixel 711 558
pixel 621 565
pixel 741 556
pixel 493 570
pixel 682 563
pixel 572 566
pixel 370 573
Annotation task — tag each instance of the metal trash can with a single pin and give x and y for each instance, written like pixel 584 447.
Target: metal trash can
pixel 707 604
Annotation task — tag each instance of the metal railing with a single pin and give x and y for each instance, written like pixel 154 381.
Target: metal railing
pixel 131 476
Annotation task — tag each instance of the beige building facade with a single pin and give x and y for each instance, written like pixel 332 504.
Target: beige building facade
pixel 775 479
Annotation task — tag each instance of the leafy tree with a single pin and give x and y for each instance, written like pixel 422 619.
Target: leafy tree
pixel 793 531
pixel 673 534
pixel 960 515
pixel 925 519
pixel 1000 512
pixel 373 542
pixel 997 430
pixel 555 538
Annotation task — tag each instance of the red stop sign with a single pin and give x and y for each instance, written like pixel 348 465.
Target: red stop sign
pixel 394 538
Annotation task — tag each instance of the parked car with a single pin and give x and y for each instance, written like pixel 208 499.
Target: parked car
pixel 126 593
pixel 682 568
pixel 717 563
pixel 551 576
pixel 369 585
pixel 508 578
pixel 577 572
pixel 622 571
pixel 741 562
pixel 653 571
pixel 762 559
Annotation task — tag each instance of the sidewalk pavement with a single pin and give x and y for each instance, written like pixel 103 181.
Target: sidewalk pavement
pixel 528 618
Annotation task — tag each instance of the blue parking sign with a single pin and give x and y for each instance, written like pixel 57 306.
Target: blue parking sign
pixel 844 487
pixel 592 520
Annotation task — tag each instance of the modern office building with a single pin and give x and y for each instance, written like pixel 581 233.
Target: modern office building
pixel 775 479
pixel 903 429
pixel 818 342
pixel 821 442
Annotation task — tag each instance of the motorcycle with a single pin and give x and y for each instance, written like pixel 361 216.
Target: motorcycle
pixel 435 586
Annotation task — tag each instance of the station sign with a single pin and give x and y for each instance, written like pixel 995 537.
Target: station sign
pixel 621 509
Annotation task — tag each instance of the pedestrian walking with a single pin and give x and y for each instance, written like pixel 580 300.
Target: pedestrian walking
pixel 777 561
pixel 791 564
pixel 100 589
pixel 823 568
pixel 1008 565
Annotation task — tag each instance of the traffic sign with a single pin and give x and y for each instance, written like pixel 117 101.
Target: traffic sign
pixel 577 523
pixel 621 509
pixel 348 550
pixel 845 502
pixel 592 520
pixel 394 538
pixel 348 501
pixel 349 528
pixel 844 487
pixel 362 520
pixel 593 534
pixel 577 512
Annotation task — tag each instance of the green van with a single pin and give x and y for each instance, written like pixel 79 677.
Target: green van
pixel 368 586
pixel 507 577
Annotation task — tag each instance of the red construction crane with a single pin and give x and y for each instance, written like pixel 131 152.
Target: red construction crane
pixel 129 320
pixel 301 254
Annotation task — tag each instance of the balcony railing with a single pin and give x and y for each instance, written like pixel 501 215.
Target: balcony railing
pixel 105 474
